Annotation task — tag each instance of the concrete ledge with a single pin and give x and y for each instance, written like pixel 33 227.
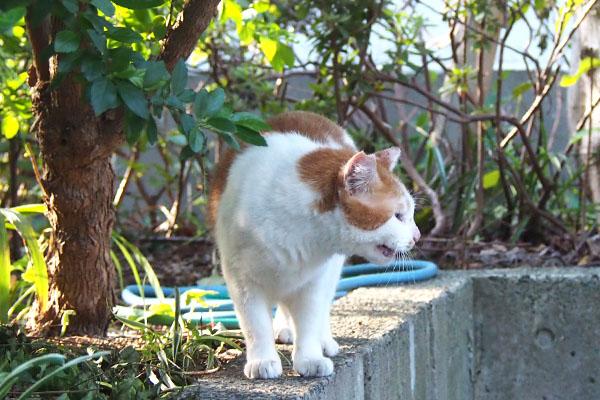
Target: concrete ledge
pixel 518 334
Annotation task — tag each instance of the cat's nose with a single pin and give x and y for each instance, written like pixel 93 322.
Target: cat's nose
pixel 416 234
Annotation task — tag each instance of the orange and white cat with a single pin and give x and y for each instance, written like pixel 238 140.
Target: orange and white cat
pixel 286 217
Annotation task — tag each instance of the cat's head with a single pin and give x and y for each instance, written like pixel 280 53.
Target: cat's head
pixel 378 209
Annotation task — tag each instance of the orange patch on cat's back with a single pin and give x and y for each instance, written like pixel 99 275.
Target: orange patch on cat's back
pixel 311 167
pixel 313 126
pixel 218 181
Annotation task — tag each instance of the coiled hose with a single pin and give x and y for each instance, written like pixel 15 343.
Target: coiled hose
pixel 219 307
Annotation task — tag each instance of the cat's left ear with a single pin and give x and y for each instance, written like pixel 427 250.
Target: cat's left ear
pixel 388 157
pixel 359 172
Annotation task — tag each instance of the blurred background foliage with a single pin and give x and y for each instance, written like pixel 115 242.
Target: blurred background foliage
pixel 488 150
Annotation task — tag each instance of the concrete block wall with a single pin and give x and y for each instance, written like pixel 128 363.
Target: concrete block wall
pixel 497 334
pixel 538 335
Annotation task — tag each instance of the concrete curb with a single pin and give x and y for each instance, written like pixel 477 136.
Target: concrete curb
pixel 493 334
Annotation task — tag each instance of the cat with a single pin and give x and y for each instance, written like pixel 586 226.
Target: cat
pixel 286 217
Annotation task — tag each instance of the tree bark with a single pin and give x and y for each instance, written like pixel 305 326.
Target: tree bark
pixel 75 147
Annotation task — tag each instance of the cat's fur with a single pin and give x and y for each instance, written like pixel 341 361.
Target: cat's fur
pixel 286 217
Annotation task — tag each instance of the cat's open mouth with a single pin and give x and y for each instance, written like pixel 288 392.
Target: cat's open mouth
pixel 386 251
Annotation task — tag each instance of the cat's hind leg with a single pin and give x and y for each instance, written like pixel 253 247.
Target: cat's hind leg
pixel 283 326
pixel 309 308
pixel 307 356
pixel 331 278
pixel 254 313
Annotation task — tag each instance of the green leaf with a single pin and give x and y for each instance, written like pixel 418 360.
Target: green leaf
pixel 40 272
pixel 586 64
pixel 92 68
pixel 103 95
pixel 151 131
pixel 230 140
pixel 195 139
pixel 232 11
pixel 187 122
pixel 179 77
pixel 187 95
pixel 71 5
pixel 66 41
pixel 10 18
pixel 68 62
pixel 9 125
pixel 176 326
pixel 6 5
pixel 251 121
pixel 261 6
pixel 250 136
pixel 200 103
pixel 581 134
pixel 99 23
pixel 27 209
pixel 138 4
pixel 222 124
pixel 123 35
pixel 440 163
pixel 5 269
pixel 129 355
pixel 186 153
pixel 127 249
pixel 174 102
pixel 215 101
pixel 133 98
pixel 268 47
pixel 286 53
pixel 131 323
pixel 520 89
pixel 9 380
pixel 105 6
pixel 244 116
pixel 491 179
pixel 58 371
pixel 159 27
pixel 133 128
pixel 192 296
pixel 136 76
pixel 98 40
pixel 156 74
pixel 120 58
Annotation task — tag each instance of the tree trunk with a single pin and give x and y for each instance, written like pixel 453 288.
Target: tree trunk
pixel 78 185
pixel 585 93
pixel 75 147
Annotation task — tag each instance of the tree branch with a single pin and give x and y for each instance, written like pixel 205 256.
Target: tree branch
pixel 182 37
pixel 38 38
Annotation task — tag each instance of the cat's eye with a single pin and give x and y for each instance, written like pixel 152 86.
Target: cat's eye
pixel 399 217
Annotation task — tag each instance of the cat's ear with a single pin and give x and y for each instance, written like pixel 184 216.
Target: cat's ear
pixel 388 157
pixel 359 172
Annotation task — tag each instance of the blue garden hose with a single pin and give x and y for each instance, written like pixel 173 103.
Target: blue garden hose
pixel 220 306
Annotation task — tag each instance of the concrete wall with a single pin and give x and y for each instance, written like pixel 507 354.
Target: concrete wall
pixel 537 336
pixel 503 334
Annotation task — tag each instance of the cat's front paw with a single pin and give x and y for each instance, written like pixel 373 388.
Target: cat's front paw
pixel 330 347
pixel 284 335
pixel 263 369
pixel 322 366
